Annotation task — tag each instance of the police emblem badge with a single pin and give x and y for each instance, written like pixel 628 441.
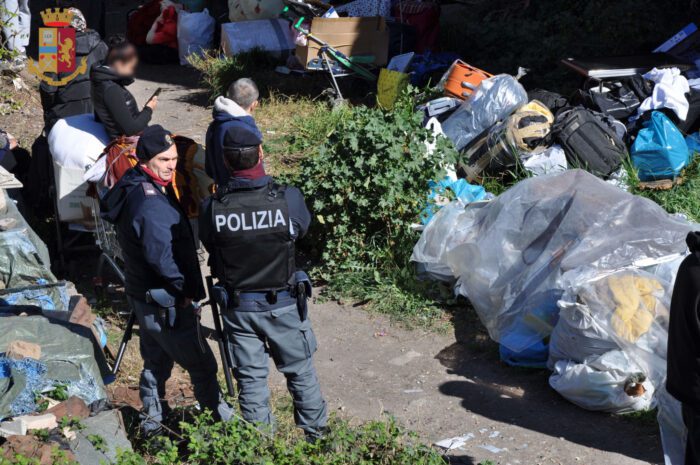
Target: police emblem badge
pixel 57 49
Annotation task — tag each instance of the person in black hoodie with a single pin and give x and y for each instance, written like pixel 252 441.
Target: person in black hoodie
pixel 114 105
pixel 73 98
pixel 683 359
pixel 160 258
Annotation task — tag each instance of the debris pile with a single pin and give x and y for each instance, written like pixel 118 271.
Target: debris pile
pixel 53 401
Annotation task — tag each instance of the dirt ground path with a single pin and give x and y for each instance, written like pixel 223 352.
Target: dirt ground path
pixel 433 384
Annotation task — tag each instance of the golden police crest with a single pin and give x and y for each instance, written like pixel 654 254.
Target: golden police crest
pixel 57 44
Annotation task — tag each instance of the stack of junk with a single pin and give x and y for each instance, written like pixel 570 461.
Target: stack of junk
pixel 53 369
pixel 567 269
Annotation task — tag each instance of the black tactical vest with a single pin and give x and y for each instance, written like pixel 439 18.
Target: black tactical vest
pixel 253 245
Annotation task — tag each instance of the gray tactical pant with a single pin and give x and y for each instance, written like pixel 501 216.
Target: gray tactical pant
pixel 160 348
pixel 257 329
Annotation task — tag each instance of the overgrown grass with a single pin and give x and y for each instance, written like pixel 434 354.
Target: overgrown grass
pixel 683 199
pixel 238 442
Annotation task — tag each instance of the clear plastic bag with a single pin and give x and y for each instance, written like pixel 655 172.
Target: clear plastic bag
pixel 510 254
pixel 626 310
pixel 494 100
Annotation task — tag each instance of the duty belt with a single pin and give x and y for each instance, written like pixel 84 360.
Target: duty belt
pixel 299 288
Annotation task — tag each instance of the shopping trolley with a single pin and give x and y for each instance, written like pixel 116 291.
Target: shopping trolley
pixel 111 255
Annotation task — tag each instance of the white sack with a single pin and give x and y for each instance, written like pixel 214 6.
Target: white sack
pixel 77 141
pixel 598 384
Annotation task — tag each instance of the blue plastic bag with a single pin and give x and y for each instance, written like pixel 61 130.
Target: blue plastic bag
pixel 534 355
pixel 464 191
pixel 660 150
pixel 693 141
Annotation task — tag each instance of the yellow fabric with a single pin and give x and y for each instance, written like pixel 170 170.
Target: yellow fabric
pixel 635 297
pixel 389 87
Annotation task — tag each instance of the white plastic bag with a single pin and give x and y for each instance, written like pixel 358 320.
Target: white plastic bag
pixel 599 383
pixel 551 160
pixel 195 33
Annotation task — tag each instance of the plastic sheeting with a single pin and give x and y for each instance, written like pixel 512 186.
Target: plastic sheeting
pixel 22 379
pixel 671 427
pixel 494 100
pixel 509 255
pixel 628 309
pixel 69 352
pixel 47 296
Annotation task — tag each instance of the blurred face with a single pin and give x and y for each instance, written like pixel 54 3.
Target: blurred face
pixel 127 68
pixel 164 164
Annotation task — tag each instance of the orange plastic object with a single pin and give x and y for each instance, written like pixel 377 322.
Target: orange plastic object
pixel 463 79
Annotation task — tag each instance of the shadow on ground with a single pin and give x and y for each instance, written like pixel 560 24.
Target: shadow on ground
pixel 523 397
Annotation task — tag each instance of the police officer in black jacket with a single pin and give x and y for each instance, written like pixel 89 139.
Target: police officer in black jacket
pixel 163 277
pixel 249 227
pixel 683 359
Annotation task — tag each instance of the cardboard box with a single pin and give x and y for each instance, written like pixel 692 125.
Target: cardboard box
pixel 350 36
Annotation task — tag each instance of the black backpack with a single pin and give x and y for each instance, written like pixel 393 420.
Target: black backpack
pixel 589 140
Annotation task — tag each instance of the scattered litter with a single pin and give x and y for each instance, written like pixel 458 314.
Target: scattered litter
pixel 381 333
pixel 492 449
pixel 495 434
pixel 412 391
pixel 456 442
pixel 405 358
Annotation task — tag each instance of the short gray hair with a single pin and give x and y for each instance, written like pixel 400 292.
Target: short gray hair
pixel 244 92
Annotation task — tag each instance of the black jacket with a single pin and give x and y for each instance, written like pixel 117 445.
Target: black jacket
pixel 683 377
pixel 115 106
pixel 155 236
pixel 74 98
